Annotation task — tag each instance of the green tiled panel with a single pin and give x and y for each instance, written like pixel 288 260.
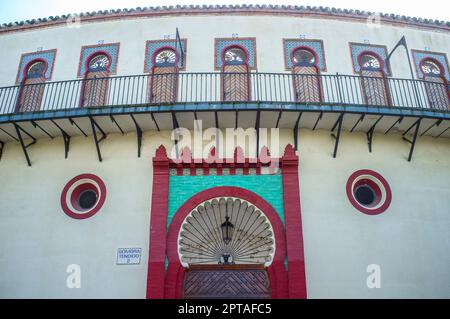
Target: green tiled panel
pixel 269 187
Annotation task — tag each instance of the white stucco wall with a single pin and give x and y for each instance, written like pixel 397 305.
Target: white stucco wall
pixel 133 33
pixel 409 241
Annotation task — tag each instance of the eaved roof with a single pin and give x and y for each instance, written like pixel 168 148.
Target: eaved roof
pixel 227 9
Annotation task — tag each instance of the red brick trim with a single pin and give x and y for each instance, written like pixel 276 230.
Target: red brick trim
pixel 175 272
pixel 293 220
pixel 158 222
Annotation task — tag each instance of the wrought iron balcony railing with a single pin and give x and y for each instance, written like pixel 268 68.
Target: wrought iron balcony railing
pixel 157 89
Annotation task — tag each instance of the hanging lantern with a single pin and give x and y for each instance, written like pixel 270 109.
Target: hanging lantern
pixel 227 230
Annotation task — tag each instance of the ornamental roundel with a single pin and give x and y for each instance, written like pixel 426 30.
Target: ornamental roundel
pixel 226 231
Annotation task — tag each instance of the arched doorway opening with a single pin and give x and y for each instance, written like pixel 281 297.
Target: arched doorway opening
pixel 235 75
pixel 163 84
pixel 226 242
pixel 96 80
pixel 32 86
pixel 305 76
pixel 373 79
pixel 436 84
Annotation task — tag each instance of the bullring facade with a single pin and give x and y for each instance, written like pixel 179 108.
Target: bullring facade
pixel 339 159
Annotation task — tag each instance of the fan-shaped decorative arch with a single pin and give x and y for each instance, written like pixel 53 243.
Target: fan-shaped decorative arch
pixel 226 231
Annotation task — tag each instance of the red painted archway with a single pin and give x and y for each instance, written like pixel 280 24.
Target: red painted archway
pixel 162 283
pixel 277 271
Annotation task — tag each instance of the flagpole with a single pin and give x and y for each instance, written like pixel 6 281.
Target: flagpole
pixel 402 42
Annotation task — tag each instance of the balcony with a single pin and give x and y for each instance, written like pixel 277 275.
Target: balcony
pixel 137 103
pixel 215 88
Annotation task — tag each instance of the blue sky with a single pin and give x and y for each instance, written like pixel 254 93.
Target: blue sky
pixel 17 10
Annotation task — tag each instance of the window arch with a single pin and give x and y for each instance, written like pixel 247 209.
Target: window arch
pixel 163 84
pixel 32 87
pixel 96 82
pixel 435 83
pixel 373 79
pixel 305 75
pixel 235 74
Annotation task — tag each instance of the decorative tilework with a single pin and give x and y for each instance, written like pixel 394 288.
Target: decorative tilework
pixel 315 45
pixel 419 55
pixel 87 51
pixel 269 187
pixel 357 48
pixel 248 43
pixel 154 45
pixel 48 55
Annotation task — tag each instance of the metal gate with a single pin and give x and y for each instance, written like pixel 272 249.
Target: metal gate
pixel 228 281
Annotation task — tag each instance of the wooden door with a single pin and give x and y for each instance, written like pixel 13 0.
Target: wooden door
pixel 374 87
pixel 306 84
pixel 163 85
pixel 30 96
pixel 236 83
pixel 437 92
pixel 95 88
pixel 226 281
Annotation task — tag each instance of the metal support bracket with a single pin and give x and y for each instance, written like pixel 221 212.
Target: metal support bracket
pixel 2 146
pixel 395 123
pixel 154 121
pixel 72 122
pixel 295 132
pixel 361 118
pixel 66 138
pixel 257 124
pixel 97 141
pixel 22 143
pixel 338 133
pixel 317 121
pixel 175 126
pixel 138 135
pixel 437 123
pixel 369 133
pixel 113 119
pixel 36 125
pixel 413 142
pixel 439 135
